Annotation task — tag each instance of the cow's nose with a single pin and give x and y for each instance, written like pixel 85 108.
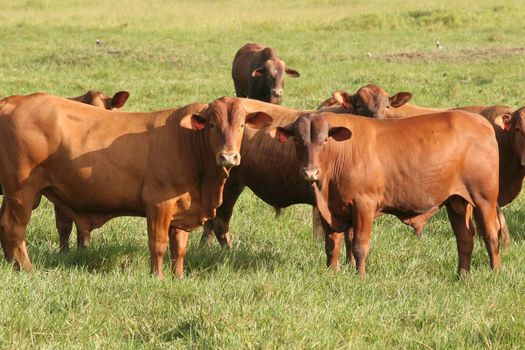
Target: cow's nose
pixel 311 174
pixel 229 159
pixel 277 92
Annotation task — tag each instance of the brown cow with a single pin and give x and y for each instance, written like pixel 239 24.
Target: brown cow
pixel 402 167
pixel 169 166
pixel 258 73
pixel 372 101
pixel 99 99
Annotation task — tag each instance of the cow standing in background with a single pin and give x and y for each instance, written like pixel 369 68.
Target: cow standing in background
pixel 169 166
pixel 101 100
pixel 359 168
pixel 258 73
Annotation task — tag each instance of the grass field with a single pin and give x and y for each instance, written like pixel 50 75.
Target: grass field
pixel 271 290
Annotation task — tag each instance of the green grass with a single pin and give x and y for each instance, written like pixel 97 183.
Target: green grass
pixel 271 290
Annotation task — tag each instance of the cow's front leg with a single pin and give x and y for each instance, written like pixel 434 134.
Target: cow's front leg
pixel 178 249
pixel 220 226
pixel 159 216
pixel 362 222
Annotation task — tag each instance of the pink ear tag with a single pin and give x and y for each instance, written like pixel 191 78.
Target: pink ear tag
pixel 282 137
pixel 506 126
pixel 346 105
pixel 199 125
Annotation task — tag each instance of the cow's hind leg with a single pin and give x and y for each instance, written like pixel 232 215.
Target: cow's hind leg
pixel 485 215
pixel 505 234
pixel 15 215
pixel 178 249
pixel 459 218
pixel 220 225
pixel 64 226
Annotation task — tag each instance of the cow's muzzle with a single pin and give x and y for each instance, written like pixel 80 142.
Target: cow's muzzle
pixel 228 159
pixel 277 92
pixel 311 174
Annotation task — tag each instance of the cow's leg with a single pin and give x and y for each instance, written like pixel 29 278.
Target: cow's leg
pixel 460 222
pixel 505 235
pixel 362 223
pixel 178 249
pixel 349 237
pixel 485 214
pixel 333 243
pixel 159 216
pixel 64 226
pixel 15 215
pixel 220 225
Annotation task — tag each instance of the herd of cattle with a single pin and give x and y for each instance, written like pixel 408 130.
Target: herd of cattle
pixel 186 167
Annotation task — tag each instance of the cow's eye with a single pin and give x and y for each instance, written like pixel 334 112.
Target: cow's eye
pixel 242 126
pixel 387 107
pixel 212 125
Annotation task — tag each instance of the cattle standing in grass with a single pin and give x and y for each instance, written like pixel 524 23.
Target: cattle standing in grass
pixel 258 73
pixel 169 166
pixel 359 168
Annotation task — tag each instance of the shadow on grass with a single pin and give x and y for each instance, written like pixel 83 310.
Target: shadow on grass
pixel 94 259
pixel 242 257
pixel 110 256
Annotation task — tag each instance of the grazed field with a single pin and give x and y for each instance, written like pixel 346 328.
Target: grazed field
pixel 271 290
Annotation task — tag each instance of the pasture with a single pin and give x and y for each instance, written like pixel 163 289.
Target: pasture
pixel 271 290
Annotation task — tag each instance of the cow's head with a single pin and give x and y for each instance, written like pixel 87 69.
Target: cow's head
pixel 223 122
pixel 514 124
pixel 271 74
pixel 370 101
pixel 101 100
pixel 311 132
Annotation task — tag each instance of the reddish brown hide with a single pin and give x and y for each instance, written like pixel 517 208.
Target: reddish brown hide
pixel 169 166
pixel 359 168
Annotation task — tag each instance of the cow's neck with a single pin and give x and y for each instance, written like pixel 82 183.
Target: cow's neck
pixel 211 180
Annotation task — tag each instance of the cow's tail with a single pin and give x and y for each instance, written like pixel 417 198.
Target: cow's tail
pixel 504 234
pixel 317 226
pixel 277 211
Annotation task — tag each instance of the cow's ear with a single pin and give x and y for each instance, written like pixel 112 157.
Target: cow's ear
pixel 292 73
pixel 258 120
pixel 504 121
pixel 193 122
pixel 282 133
pixel 340 133
pixel 258 72
pixel 400 99
pixel 118 100
pixel 343 98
